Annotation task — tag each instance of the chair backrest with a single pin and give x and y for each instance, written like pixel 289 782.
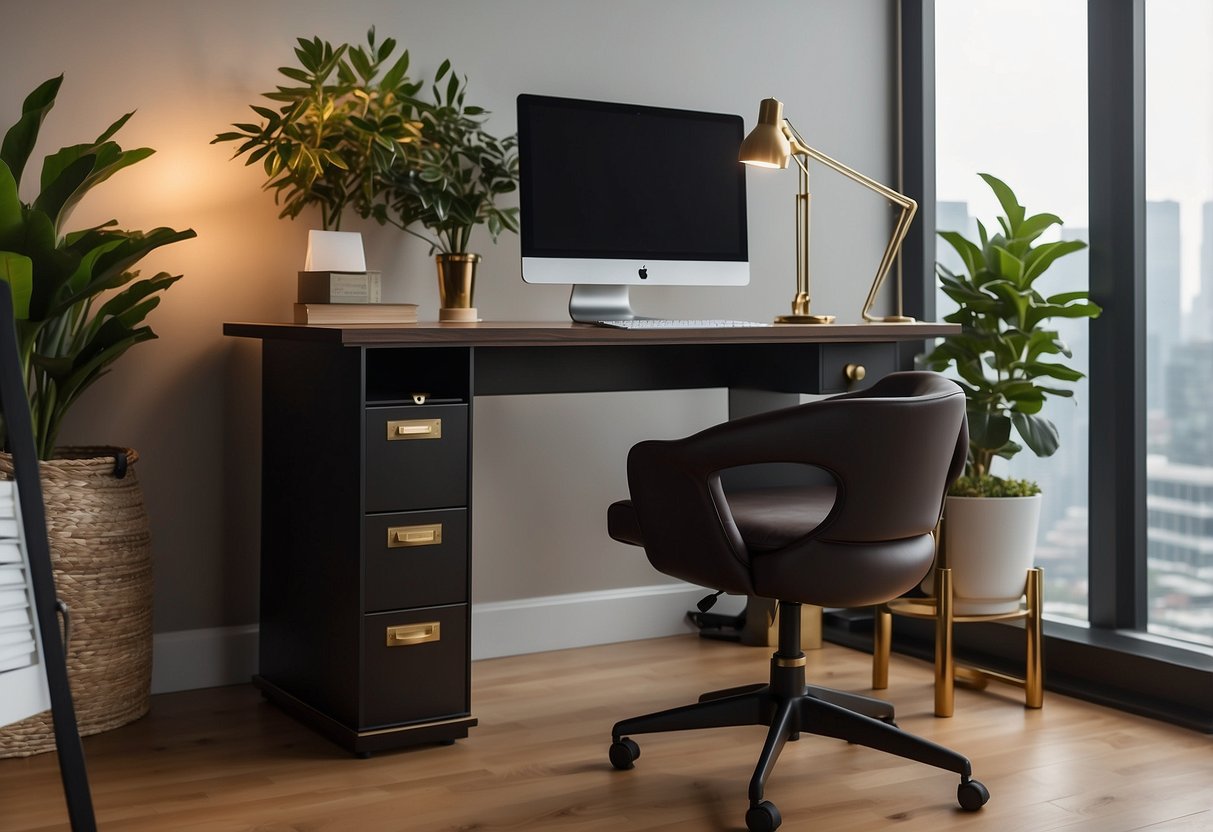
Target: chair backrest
pixel 892 451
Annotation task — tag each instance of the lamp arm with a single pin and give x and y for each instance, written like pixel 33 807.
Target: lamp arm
pixel 900 228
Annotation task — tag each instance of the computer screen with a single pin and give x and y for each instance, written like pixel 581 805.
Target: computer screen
pixel 627 195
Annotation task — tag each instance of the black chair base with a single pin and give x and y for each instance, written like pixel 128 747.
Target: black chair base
pixel 788 707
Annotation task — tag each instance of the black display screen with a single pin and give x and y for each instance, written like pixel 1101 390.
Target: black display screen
pixel 603 180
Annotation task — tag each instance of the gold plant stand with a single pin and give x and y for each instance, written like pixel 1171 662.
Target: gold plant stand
pixel 947 669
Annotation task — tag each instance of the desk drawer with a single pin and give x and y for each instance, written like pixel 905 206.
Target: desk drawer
pixel 877 360
pixel 415 559
pixel 416 457
pixel 415 665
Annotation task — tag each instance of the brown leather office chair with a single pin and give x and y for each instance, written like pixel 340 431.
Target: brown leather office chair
pixel 892 451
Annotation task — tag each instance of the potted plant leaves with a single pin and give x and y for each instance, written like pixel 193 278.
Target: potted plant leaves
pixel 344 114
pixel 1009 359
pixel 449 182
pixel 79 306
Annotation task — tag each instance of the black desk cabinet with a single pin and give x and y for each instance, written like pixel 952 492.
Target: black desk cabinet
pixel 365 625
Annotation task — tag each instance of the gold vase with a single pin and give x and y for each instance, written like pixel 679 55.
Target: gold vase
pixel 456 284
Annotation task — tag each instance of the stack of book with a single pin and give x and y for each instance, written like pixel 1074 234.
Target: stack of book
pixel 329 297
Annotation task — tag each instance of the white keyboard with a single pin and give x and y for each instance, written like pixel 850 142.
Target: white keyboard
pixel 673 323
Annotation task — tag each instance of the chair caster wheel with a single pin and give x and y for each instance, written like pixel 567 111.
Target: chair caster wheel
pixel 763 817
pixel 624 753
pixel 972 795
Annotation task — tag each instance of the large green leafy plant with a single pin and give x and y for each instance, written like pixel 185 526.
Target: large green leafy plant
pixel 449 180
pixel 1007 355
pixel 67 332
pixel 340 128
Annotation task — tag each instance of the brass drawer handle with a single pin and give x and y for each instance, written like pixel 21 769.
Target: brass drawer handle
pixel 855 372
pixel 414 429
pixel 429 534
pixel 406 635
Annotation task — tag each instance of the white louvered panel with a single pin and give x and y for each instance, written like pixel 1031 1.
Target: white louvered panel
pixel 23 688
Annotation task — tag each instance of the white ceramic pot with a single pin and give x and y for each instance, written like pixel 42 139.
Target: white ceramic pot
pixel 990 543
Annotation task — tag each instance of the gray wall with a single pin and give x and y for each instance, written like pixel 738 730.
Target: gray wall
pixel 546 466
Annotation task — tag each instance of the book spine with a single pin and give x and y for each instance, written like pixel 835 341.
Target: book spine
pixel 339 287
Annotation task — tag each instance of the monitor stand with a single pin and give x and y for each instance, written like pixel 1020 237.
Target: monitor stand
pixel 589 303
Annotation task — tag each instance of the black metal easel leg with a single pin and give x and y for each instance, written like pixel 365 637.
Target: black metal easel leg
pixel 19 427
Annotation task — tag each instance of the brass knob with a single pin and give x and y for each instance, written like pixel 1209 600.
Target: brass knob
pixel 855 372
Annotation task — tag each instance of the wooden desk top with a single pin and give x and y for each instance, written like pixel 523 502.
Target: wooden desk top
pixel 564 333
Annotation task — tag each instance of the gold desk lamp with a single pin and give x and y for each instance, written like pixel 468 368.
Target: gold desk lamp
pixel 769 145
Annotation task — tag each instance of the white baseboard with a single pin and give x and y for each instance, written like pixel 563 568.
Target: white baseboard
pixel 206 658
pixel 190 659
pixel 558 622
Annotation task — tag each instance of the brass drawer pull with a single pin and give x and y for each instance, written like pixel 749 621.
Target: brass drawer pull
pixel 855 372
pixel 406 635
pixel 429 534
pixel 414 429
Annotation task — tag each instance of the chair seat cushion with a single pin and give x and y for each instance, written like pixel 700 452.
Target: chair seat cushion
pixel 767 518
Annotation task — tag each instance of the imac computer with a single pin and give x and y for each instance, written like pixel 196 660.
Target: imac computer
pixel 621 195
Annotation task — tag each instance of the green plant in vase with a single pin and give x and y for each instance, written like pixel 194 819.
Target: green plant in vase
pixel 345 113
pixel 1010 360
pixel 449 182
pixel 1008 355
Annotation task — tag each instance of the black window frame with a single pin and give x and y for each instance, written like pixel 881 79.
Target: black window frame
pixel 1113 661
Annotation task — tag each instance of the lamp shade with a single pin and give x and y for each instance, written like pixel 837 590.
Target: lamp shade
pixel 766 146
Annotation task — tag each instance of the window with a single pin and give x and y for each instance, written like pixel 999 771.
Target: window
pixel 1179 318
pixel 982 126
pixel 1147 524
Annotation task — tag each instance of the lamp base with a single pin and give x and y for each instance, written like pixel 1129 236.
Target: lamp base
pixel 804 319
pixel 891 319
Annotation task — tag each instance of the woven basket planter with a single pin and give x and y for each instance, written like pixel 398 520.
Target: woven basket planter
pixel 101 553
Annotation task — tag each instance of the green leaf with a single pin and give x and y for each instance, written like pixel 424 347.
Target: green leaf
pixel 361 63
pixel 1067 297
pixel 17 271
pixel 1035 225
pixel 110 160
pixel 12 222
pixel 1006 198
pixel 295 74
pixel 1009 265
pixel 442 70
pixel 969 253
pixel 1037 432
pixel 399 70
pixel 20 139
pixel 988 430
pixel 125 301
pixel 59 191
pixel 1044 255
pixel 113 128
pixel 1045 310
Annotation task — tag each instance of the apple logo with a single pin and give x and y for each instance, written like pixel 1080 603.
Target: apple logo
pixel 643 272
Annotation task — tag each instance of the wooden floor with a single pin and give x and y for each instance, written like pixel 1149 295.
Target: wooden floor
pixel 223 759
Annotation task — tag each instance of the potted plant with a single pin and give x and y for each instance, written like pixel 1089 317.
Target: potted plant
pixel 345 113
pixel 1008 359
pixel 448 182
pixel 79 306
